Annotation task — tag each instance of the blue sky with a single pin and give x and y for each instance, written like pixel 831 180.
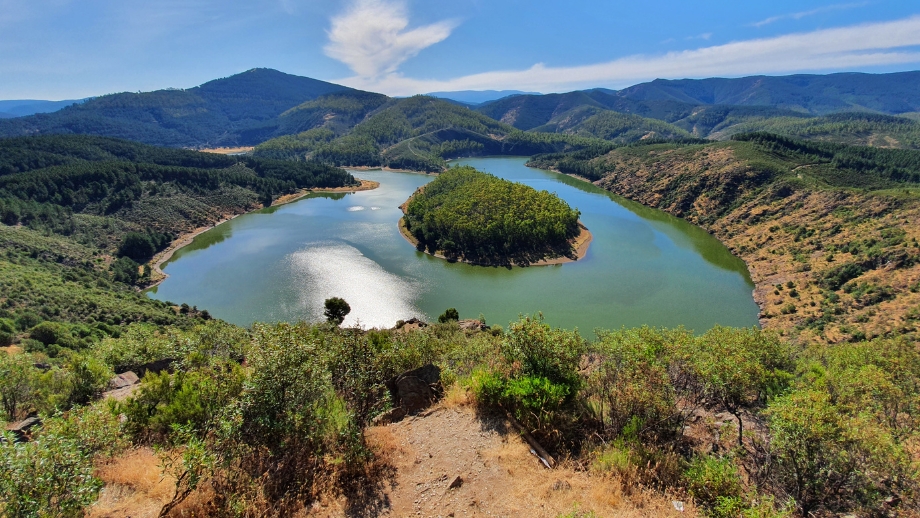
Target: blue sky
pixel 66 49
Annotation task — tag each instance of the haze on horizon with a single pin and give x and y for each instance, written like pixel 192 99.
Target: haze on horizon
pixel 62 49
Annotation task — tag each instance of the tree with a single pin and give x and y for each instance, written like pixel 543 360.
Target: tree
pixel 137 246
pixel 448 315
pixel 336 309
pixel 17 384
pixel 739 367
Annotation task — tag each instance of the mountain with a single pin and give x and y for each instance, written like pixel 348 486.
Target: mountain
pixel 621 128
pixel 25 107
pixel 243 109
pixel 815 94
pixel 856 128
pixel 474 97
pixel 417 133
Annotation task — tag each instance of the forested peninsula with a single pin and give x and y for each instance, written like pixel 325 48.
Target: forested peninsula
pixel 478 218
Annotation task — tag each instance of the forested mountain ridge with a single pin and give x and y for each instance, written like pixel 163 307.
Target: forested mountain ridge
pixel 238 110
pixel 416 133
pixel 96 190
pixel 892 93
pixel 258 105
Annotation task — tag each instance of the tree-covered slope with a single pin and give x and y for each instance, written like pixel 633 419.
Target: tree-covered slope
pixel 816 94
pixel 856 128
pixel 619 128
pixel 827 230
pixel 239 110
pixel 417 133
pixel 75 185
pixel 480 218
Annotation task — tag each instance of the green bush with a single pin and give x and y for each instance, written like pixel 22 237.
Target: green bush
pixel 630 385
pixel 53 475
pixel 714 484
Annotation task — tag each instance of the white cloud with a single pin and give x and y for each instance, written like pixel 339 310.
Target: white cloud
pixel 803 14
pixel 876 44
pixel 371 37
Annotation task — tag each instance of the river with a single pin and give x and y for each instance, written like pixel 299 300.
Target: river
pixel 644 267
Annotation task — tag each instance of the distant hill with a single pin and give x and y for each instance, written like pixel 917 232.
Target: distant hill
pixel 416 133
pixel 474 97
pixel 243 109
pixel 25 107
pixel 298 116
pixel 855 128
pixel 815 94
pixel 620 128
pixel 706 106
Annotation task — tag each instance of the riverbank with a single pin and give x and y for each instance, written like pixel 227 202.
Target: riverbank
pixel 828 265
pixel 228 150
pixel 158 275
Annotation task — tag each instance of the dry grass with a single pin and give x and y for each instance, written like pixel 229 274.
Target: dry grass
pixel 134 486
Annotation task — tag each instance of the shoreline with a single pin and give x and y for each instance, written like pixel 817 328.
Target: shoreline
pixel 183 240
pixel 580 244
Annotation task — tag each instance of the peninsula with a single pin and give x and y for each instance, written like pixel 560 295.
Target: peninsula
pixel 470 216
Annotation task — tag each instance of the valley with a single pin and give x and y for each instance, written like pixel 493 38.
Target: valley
pixel 739 339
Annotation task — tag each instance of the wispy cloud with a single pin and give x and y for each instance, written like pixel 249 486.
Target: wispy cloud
pixel 842 48
pixel 371 37
pixel 804 14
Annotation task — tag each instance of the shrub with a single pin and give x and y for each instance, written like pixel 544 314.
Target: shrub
pixel 53 475
pixel 18 384
pixel 714 484
pixel 630 385
pixel 448 315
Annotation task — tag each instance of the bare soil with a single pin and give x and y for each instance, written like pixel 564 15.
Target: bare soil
pixel 450 461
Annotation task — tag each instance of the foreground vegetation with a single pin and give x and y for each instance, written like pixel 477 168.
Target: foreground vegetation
pixel 479 218
pixel 809 431
pixel 817 415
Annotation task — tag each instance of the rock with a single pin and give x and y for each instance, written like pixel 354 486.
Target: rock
pixel 472 325
pixel 561 485
pixel 21 429
pixel 125 379
pixel 414 394
pixel 678 505
pixel 430 374
pixel 416 389
pixel 457 482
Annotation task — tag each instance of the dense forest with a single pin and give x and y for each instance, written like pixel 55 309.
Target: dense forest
pixel 240 110
pixel 479 218
pixel 81 215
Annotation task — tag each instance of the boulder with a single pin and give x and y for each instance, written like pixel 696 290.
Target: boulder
pixel 125 379
pixel 416 389
pixel 414 394
pixel 472 325
pixel 21 429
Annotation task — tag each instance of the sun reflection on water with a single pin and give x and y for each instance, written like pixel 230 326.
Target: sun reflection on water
pixel 377 298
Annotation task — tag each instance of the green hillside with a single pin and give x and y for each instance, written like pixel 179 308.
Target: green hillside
pixel 619 128
pixel 865 129
pixel 815 94
pixel 416 133
pixel 239 110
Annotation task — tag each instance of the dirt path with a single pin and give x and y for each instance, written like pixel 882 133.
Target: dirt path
pixel 498 475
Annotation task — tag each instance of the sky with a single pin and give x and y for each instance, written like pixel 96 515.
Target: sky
pixel 70 49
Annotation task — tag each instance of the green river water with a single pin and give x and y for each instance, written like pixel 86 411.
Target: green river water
pixel 280 264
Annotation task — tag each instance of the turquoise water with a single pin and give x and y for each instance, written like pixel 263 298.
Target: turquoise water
pixel 280 264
